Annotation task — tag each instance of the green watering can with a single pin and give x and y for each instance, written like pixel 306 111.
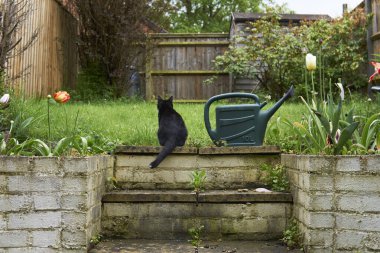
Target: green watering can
pixel 242 124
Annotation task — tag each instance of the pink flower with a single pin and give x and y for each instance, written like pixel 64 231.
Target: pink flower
pixel 376 65
pixel 61 97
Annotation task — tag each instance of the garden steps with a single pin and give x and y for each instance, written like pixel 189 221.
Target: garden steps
pixel 160 203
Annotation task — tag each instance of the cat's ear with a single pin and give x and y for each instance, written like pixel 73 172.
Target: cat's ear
pixel 171 99
pixel 159 98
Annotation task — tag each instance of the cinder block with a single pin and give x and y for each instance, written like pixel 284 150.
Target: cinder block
pixel 348 164
pixel 373 163
pixel 317 201
pixel 319 219
pixel 46 165
pixel 47 202
pixel 358 183
pixel 75 184
pixel 46 239
pixel 31 250
pixel 317 164
pixel 364 223
pixel 37 220
pixel 33 183
pixel 359 203
pixel 349 240
pixel 319 237
pixel 74 221
pixel 78 202
pixel 14 203
pixel 236 226
pixel 74 239
pixel 78 165
pixel 14 164
pixel 3 222
pixel 372 241
pixel 9 239
pixel 316 182
pixel 3 184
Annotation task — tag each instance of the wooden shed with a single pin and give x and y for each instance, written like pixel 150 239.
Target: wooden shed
pixel 50 63
pixel 241 21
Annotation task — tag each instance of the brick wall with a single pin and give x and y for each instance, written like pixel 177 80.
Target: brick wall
pixel 48 204
pixel 336 201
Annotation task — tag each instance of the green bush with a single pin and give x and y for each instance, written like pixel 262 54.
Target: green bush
pixel 275 56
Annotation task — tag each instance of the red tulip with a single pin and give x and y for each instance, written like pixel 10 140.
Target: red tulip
pixel 61 97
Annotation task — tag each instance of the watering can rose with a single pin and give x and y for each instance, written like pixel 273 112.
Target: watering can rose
pixel 61 97
pixel 311 62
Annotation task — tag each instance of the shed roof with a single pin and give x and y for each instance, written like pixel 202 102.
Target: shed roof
pixel 239 17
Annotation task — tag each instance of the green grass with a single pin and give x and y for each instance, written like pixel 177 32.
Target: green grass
pixel 128 122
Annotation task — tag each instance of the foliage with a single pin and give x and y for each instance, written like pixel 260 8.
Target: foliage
pixel 207 16
pixel 92 84
pixel 196 236
pixel 275 177
pixel 274 55
pixel 112 34
pixel 198 180
pixel 292 236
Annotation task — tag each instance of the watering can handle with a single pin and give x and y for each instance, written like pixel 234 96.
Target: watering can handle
pixel 211 132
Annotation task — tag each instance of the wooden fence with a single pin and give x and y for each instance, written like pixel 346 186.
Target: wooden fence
pixel 50 63
pixel 177 65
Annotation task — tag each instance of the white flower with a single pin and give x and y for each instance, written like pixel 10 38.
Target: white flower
pixel 340 86
pixel 311 62
pixel 4 99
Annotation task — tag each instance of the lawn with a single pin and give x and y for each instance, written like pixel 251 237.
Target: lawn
pixel 134 122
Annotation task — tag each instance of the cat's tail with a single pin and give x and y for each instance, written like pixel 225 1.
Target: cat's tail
pixel 166 150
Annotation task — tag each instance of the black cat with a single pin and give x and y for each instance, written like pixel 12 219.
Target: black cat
pixel 172 130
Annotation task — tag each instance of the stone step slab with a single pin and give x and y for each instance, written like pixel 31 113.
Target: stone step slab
pixel 226 167
pixel 231 215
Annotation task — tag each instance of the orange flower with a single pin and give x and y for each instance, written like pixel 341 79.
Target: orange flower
pixel 61 97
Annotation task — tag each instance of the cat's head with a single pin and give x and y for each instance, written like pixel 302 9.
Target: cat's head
pixel 162 103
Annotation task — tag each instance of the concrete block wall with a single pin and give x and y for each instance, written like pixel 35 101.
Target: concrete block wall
pixel 50 204
pixel 336 201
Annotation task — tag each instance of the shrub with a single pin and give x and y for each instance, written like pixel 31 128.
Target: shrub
pixel 274 55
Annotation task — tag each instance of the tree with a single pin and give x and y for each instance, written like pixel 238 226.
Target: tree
pixel 207 15
pixel 112 35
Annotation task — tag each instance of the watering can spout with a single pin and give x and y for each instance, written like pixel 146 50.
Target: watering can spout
pixel 269 113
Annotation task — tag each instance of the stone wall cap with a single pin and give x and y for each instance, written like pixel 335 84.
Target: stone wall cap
pixel 202 151
pixel 212 196
pixel 152 150
pixel 240 150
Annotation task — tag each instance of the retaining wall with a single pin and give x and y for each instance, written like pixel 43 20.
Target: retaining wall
pixel 336 201
pixel 48 204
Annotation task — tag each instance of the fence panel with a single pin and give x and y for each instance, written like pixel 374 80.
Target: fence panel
pixel 50 63
pixel 179 63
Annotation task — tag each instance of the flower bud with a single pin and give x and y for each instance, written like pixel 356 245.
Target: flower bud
pixel 311 62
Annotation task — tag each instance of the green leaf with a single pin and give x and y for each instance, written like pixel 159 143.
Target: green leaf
pixel 345 136
pixel 62 146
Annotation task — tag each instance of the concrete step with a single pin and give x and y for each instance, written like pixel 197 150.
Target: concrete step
pixel 169 214
pixel 226 167
pixel 175 246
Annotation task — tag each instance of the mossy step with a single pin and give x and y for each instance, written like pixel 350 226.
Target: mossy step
pixel 214 196
pixel 270 150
